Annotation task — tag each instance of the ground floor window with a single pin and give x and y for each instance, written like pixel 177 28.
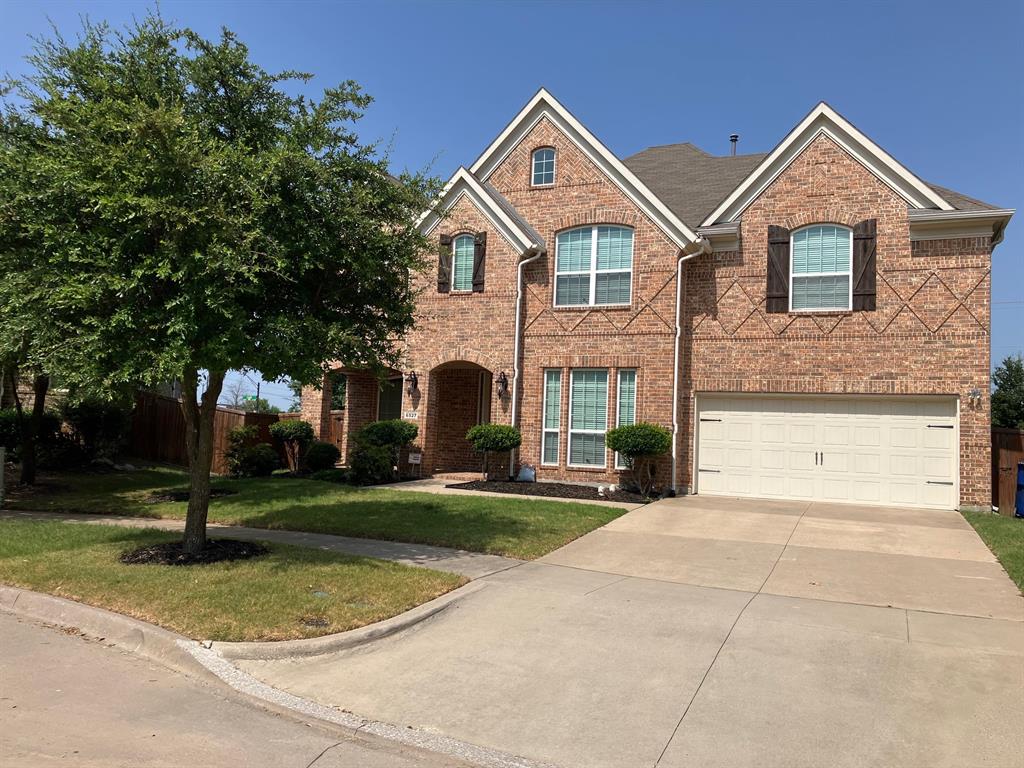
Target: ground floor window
pixel 389 401
pixel 626 411
pixel 588 416
pixel 552 416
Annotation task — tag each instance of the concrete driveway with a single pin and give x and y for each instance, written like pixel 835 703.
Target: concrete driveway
pixel 716 632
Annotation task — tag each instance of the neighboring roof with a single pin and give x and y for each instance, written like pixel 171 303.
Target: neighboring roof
pixel 544 105
pixel 499 211
pixel 689 180
pixel 962 202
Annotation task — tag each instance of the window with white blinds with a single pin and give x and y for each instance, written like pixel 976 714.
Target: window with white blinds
pixel 822 256
pixel 462 263
pixel 552 416
pixel 588 416
pixel 626 412
pixel 594 266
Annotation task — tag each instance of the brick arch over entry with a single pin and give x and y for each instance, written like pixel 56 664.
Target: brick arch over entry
pixel 461 355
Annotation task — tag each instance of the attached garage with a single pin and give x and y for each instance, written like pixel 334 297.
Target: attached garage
pixel 896 450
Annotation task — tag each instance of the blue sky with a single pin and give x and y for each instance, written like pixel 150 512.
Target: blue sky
pixel 938 84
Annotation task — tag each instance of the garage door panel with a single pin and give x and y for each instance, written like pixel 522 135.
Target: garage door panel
pixel 896 450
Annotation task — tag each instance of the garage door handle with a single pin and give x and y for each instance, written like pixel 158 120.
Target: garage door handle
pixel 939 482
pixel 710 419
pixel 716 471
pixel 940 426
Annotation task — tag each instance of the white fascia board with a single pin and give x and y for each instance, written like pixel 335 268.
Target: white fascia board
pixel 464 184
pixel 542 105
pixel 823 120
pixel 944 225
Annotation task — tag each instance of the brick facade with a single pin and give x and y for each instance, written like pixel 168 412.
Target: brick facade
pixel 929 334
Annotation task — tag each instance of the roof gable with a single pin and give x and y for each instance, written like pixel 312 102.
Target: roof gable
pixel 544 105
pixel 499 211
pixel 823 120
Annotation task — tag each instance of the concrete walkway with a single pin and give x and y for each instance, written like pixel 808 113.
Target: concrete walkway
pixel 440 486
pixel 473 565
pixel 716 632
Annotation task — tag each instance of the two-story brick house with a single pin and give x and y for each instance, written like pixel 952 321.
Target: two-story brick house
pixel 810 323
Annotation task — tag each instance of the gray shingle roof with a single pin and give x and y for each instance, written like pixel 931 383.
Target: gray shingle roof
pixel 692 183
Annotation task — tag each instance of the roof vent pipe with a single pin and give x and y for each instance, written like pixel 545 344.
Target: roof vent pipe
pixel 733 139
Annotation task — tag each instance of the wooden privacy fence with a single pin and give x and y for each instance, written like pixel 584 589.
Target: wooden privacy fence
pixel 1007 453
pixel 158 430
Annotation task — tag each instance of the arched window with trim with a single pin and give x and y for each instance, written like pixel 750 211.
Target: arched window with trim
pixel 821 257
pixel 543 167
pixel 594 266
pixel 462 263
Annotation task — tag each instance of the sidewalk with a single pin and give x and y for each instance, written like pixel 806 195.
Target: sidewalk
pixel 473 565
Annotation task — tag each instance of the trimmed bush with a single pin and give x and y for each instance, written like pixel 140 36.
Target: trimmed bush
pixel 258 460
pixel 10 430
pixel 295 435
pixel 493 438
pixel 322 456
pixel 98 426
pixel 640 445
pixel 389 436
pixel 390 433
pixel 371 465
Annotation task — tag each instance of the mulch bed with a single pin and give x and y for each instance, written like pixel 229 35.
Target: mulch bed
pixel 550 490
pixel 173 553
pixel 160 498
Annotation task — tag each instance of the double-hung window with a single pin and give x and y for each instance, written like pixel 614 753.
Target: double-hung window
pixel 820 271
pixel 462 263
pixel 594 266
pixel 552 416
pixel 588 416
pixel 626 411
pixel 543 167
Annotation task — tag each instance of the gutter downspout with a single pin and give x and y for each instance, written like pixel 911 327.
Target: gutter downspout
pixel 532 254
pixel 696 248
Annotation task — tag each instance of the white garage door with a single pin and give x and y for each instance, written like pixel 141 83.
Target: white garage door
pixel 899 451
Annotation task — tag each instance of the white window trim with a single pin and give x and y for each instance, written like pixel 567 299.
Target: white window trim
pixel 848 272
pixel 571 431
pixel 544 429
pixel 594 271
pixel 619 464
pixel 455 242
pixel 533 167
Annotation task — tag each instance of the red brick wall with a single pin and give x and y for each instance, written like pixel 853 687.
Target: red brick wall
pixel 928 335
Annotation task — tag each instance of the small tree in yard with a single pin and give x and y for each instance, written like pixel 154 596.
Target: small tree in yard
pixel 1008 397
pixel 640 445
pixel 173 211
pixel 296 436
pixel 493 438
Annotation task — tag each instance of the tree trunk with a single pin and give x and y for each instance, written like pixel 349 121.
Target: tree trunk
pixel 30 426
pixel 199 446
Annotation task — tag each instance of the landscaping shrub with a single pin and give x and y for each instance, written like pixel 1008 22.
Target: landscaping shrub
pixel 640 445
pixel 493 438
pixel 295 435
pixel 391 436
pixel 247 460
pixel 97 426
pixel 371 465
pixel 333 475
pixel 322 456
pixel 10 430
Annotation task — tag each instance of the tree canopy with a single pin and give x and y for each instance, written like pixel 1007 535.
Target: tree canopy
pixel 1008 397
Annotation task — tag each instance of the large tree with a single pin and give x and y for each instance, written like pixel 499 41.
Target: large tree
pixel 1008 397
pixel 179 212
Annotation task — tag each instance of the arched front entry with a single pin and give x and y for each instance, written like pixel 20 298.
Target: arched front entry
pixel 460 398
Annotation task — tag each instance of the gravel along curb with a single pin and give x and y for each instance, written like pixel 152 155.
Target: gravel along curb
pixel 315 646
pixel 155 643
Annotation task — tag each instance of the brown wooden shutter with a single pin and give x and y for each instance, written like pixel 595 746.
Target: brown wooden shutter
pixel 444 264
pixel 778 270
pixel 479 257
pixel 864 281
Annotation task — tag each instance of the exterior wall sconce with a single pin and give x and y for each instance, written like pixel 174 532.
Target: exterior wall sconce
pixel 502 385
pixel 975 397
pixel 412 382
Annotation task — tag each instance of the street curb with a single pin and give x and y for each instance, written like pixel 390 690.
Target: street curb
pixel 316 646
pixel 155 643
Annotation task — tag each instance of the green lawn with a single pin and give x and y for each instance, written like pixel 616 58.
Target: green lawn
pixel 513 527
pixel 1005 537
pixel 265 598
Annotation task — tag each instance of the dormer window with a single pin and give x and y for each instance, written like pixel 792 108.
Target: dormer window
pixel 543 167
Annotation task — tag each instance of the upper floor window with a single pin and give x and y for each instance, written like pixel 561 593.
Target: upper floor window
pixel 822 256
pixel 462 263
pixel 543 166
pixel 594 266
